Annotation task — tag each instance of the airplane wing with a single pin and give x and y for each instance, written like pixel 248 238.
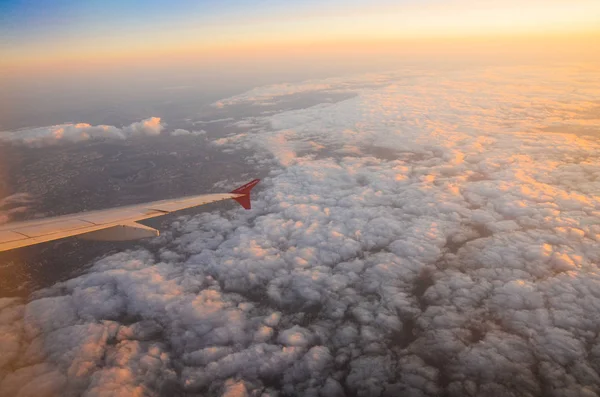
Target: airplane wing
pixel 114 224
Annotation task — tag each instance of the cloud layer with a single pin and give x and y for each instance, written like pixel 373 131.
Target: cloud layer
pixel 423 238
pixel 69 133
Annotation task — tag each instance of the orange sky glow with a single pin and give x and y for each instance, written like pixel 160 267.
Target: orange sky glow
pixel 458 28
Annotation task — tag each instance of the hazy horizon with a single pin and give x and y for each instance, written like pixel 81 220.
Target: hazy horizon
pixel 60 57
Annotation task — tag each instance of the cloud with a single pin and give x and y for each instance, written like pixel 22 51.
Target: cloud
pixel 266 94
pixel 14 204
pixel 181 132
pixel 271 94
pixel 149 126
pixel 450 252
pixel 79 132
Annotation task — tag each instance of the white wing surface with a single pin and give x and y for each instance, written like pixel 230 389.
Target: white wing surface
pixel 115 224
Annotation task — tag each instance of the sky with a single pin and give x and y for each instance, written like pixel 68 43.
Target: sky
pixel 63 60
pixel 40 36
pixel 68 49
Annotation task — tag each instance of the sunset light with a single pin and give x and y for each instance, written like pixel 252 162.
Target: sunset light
pixel 35 38
pixel 300 198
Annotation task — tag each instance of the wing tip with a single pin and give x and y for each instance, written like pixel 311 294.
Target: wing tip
pixel 244 190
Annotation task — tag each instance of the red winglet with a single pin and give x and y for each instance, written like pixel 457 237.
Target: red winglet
pixel 245 190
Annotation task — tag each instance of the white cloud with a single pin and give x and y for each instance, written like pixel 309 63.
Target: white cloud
pixel 51 135
pixel 266 94
pixel 181 132
pixel 449 252
pixel 149 126
pixel 63 133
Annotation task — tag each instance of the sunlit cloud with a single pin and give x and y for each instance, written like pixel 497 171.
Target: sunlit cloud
pixel 423 236
pixel 80 132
